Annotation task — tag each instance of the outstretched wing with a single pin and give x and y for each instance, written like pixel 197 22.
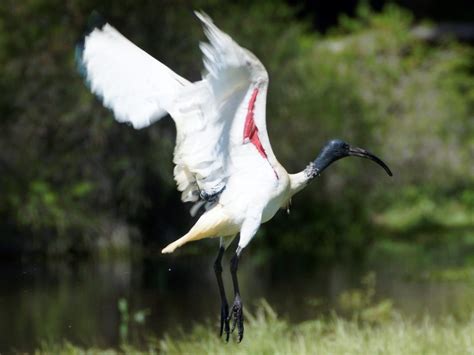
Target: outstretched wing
pixel 226 120
pixel 130 82
pixel 220 120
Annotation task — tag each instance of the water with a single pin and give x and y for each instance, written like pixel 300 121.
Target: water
pixel 77 301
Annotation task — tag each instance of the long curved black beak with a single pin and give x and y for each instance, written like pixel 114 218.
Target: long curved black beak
pixel 359 152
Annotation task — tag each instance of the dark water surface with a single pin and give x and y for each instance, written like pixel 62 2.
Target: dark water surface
pixel 78 301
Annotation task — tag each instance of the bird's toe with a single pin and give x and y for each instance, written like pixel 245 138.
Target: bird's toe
pixel 238 318
pixel 225 321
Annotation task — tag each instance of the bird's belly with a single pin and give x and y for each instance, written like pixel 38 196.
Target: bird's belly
pixel 269 211
pixel 250 191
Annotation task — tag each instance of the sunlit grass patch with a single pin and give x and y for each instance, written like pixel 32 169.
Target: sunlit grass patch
pixel 266 333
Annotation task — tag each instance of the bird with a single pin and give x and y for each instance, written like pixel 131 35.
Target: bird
pixel 224 163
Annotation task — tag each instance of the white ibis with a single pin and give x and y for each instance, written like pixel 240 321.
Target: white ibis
pixel 224 161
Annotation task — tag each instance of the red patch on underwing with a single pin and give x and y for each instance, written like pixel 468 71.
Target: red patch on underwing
pixel 251 130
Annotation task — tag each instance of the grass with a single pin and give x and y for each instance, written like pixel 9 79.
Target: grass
pixel 266 333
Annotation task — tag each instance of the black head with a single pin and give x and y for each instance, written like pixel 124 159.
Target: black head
pixel 337 149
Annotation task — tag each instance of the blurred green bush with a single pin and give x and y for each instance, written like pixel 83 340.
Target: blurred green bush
pixel 70 174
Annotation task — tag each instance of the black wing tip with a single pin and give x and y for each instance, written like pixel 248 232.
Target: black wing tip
pixel 95 20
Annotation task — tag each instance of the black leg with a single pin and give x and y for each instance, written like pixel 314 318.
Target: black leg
pixel 224 305
pixel 237 307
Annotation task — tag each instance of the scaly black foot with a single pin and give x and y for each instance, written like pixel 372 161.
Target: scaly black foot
pixel 225 321
pixel 238 316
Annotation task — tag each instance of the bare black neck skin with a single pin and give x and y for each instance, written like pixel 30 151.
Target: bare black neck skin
pixel 332 151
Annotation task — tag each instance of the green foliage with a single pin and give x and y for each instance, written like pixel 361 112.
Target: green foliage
pixel 70 171
pixel 373 83
pixel 128 317
pixel 452 274
pixel 360 303
pixel 417 208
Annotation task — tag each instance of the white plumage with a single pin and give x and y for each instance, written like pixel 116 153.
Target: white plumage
pixel 223 155
pixel 132 83
pixel 212 155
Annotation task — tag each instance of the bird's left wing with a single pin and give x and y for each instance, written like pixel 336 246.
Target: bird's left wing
pixel 220 120
pixel 133 84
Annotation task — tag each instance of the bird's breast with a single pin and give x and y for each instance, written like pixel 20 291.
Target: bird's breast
pixel 279 195
pixel 256 190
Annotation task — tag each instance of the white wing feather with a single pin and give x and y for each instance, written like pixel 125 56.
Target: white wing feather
pixel 209 114
pixel 134 85
pixel 212 134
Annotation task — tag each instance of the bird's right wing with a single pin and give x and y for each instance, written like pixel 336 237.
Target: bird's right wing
pixel 133 84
